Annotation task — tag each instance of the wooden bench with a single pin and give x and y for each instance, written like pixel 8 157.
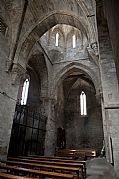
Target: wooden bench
pixel 60 163
pixel 49 162
pixel 37 172
pixel 64 169
pixel 53 159
pixel 9 176
pixel 84 153
pixel 47 158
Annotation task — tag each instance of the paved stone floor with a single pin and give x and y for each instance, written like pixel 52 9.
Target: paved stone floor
pixel 99 168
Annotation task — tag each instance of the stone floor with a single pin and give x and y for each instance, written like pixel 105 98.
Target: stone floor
pixel 99 168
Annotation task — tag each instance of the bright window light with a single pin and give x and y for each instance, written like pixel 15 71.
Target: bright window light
pixel 57 39
pixel 25 92
pixel 74 41
pixel 83 103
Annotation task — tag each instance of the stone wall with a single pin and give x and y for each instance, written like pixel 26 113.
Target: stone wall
pixel 112 15
pixel 8 98
pixel 34 91
pixel 66 60
pixel 110 96
pixel 83 131
pixel 26 24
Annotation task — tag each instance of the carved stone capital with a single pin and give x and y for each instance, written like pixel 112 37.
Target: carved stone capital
pixel 94 46
pixel 17 72
pixel 93 55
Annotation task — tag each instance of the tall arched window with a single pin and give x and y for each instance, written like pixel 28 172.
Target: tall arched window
pixel 74 41
pixel 56 39
pixel 83 103
pixel 25 92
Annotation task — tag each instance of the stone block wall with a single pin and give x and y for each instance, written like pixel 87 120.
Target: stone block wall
pixel 109 82
pixel 83 131
pixel 8 98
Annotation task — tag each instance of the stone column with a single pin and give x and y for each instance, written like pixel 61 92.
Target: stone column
pixel 9 86
pixel 112 14
pixel 110 99
pixel 50 139
pixel 17 10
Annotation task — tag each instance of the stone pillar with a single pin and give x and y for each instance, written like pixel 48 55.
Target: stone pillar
pixel 112 14
pixel 17 10
pixel 50 139
pixel 110 99
pixel 9 86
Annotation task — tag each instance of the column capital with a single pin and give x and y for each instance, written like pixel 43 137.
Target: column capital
pixel 17 72
pixel 94 46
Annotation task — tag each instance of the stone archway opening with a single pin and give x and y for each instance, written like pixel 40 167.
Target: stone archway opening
pixel 32 37
pixel 29 124
pixel 81 130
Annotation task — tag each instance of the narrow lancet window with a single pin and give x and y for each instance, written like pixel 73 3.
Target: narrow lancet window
pixel 83 103
pixel 25 92
pixel 74 41
pixel 57 39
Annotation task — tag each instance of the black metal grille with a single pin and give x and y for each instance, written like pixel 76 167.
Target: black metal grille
pixel 28 132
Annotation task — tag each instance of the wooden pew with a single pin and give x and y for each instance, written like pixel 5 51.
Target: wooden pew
pixel 47 158
pixel 10 176
pixel 48 162
pixel 64 169
pixel 60 163
pixel 54 159
pixel 84 153
pixel 38 172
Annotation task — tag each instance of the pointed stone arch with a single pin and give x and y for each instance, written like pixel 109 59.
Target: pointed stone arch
pixel 74 66
pixel 36 31
pixel 37 61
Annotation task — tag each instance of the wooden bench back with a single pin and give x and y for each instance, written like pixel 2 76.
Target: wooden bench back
pixel 41 158
pixel 38 172
pixel 84 153
pixel 64 169
pixel 10 176
pixel 64 165
pixel 55 159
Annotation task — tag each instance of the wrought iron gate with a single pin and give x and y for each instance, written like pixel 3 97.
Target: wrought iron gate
pixel 28 132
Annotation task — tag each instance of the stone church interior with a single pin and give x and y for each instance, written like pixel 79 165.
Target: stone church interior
pixel 59 97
